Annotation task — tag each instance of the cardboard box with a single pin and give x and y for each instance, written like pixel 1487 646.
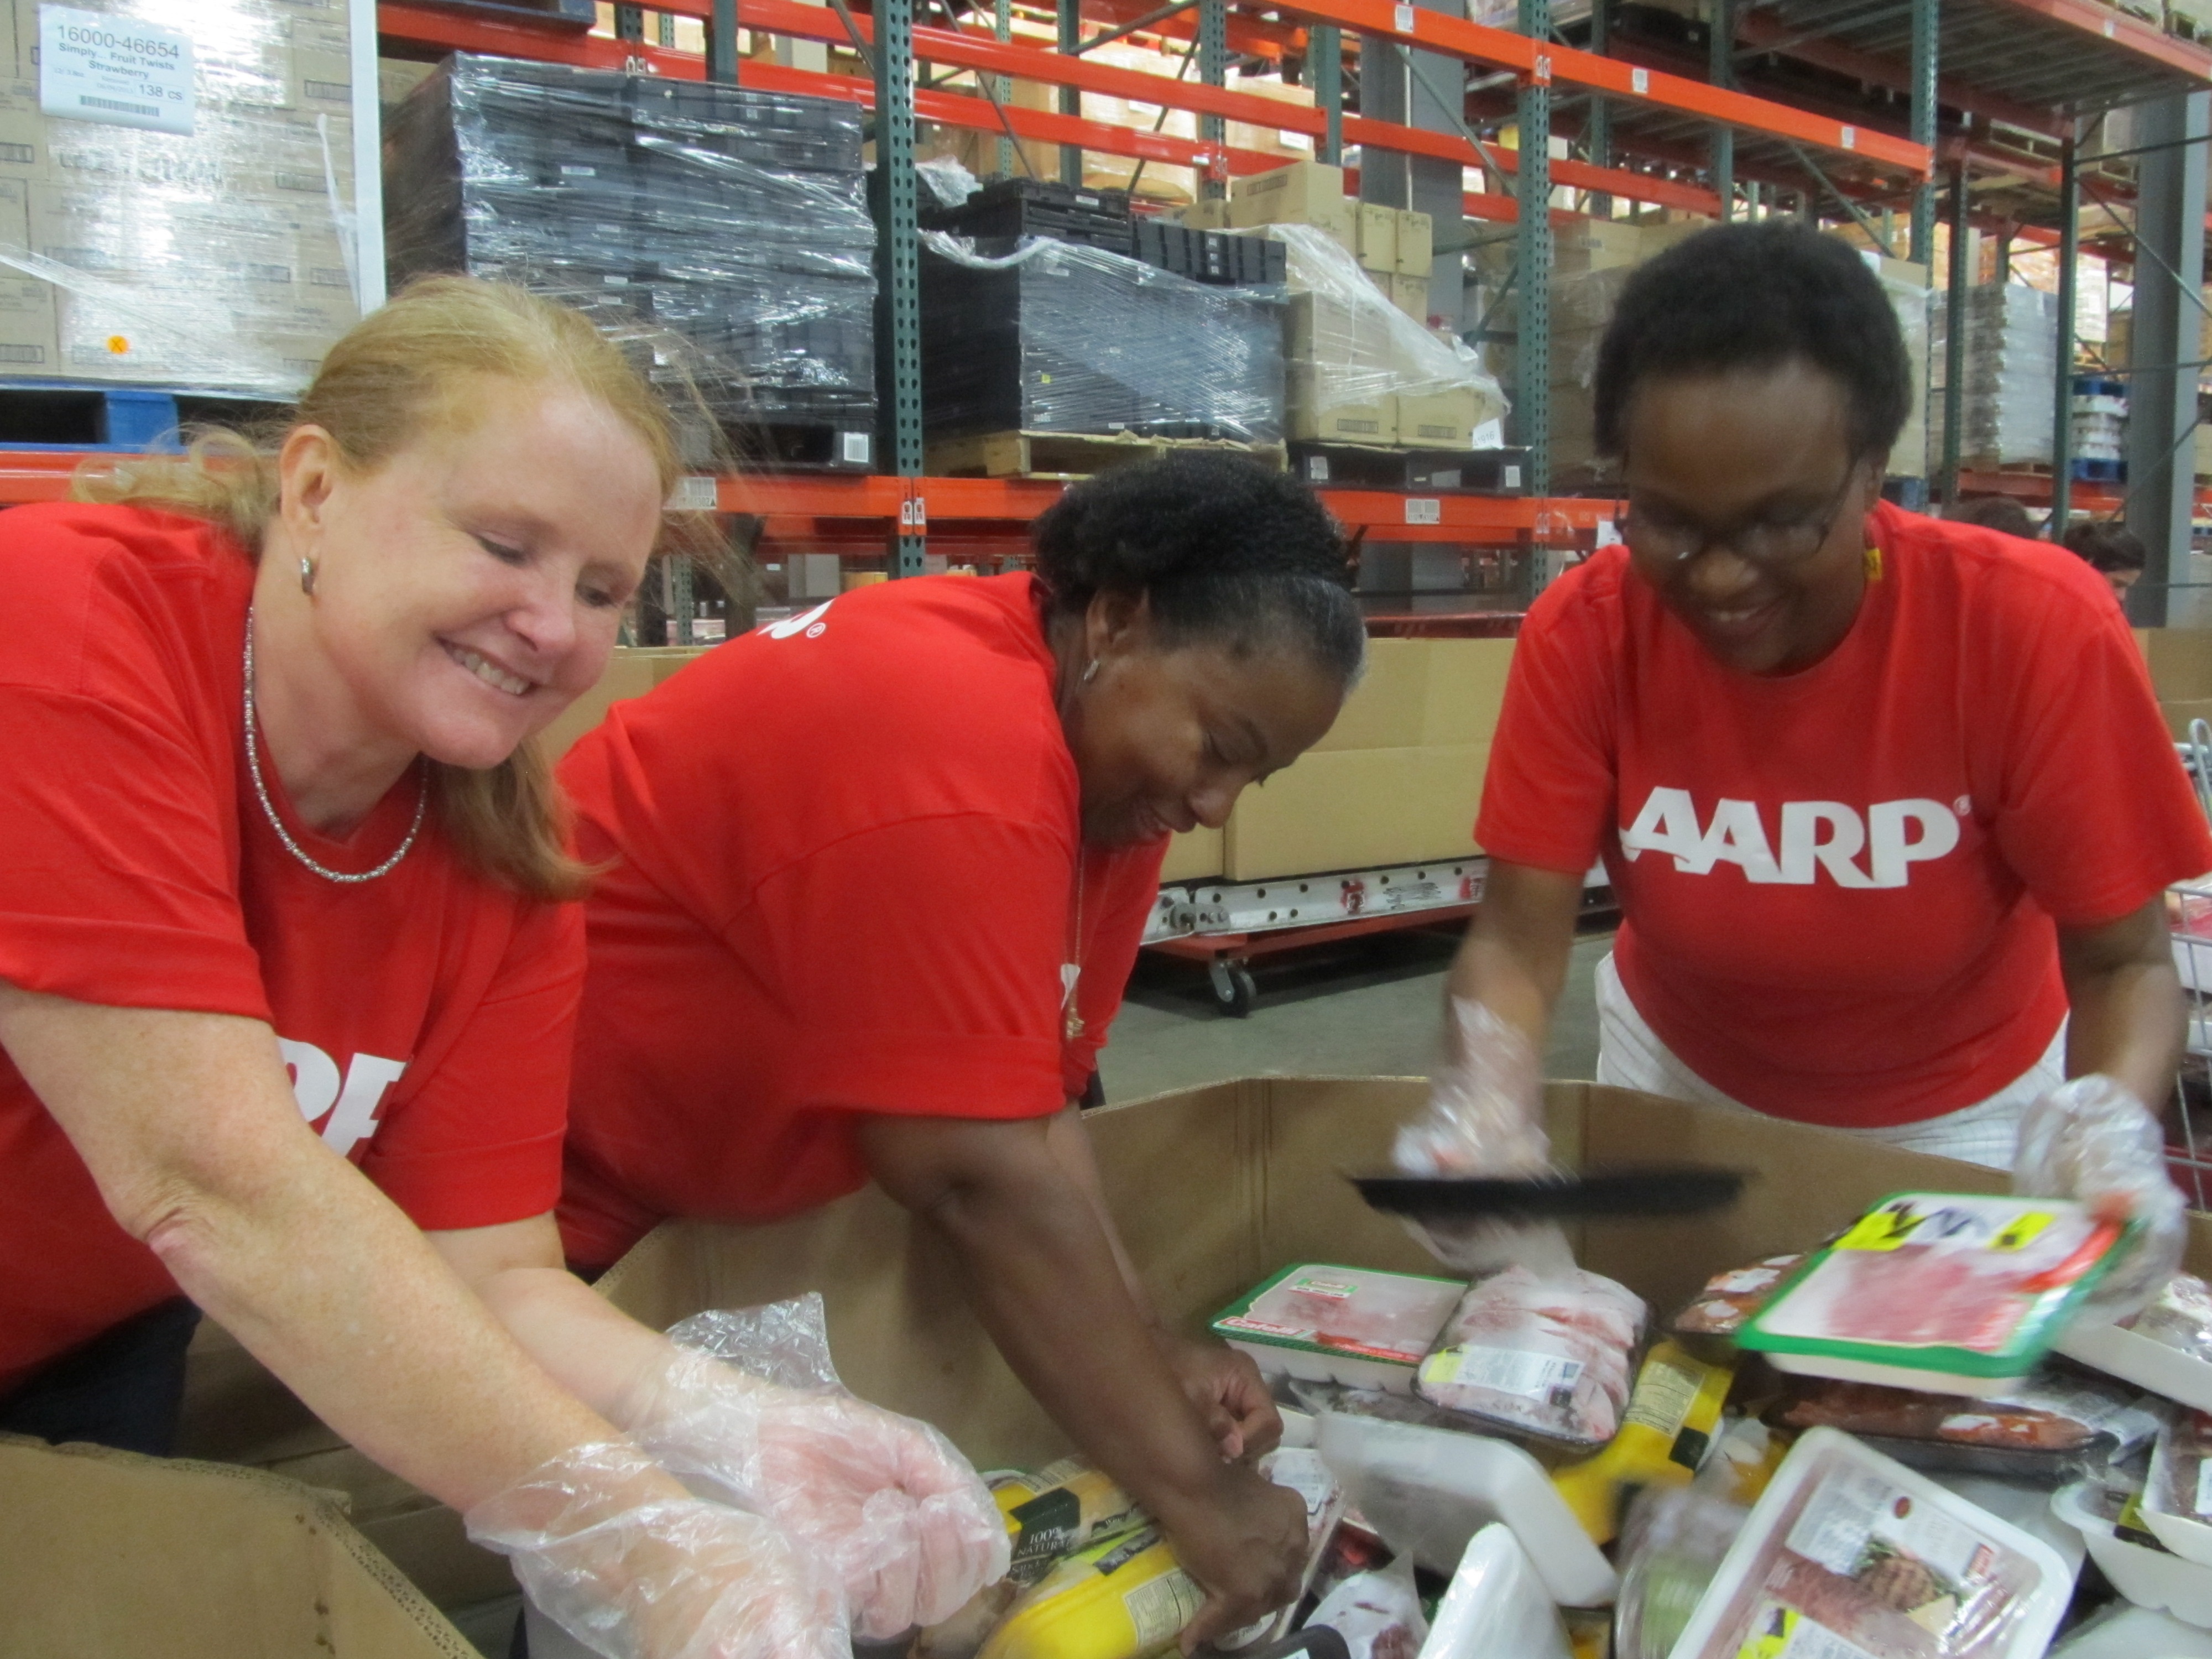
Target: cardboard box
pixel 2180 662
pixel 2180 716
pixel 631 671
pixel 1193 857
pixel 1378 237
pixel 1356 809
pixel 29 343
pixel 1375 423
pixel 1338 219
pixel 1411 295
pixel 23 149
pixel 1466 690
pixel 1211 215
pixel 107 1552
pixel 1212 1189
pixel 1388 708
pixel 1438 420
pixel 1288 195
pixel 1416 243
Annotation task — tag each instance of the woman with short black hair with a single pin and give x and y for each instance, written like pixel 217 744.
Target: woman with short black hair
pixel 875 877
pixel 1885 799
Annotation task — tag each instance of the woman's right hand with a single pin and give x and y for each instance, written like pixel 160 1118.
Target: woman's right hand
pixel 622 1558
pixel 1244 1544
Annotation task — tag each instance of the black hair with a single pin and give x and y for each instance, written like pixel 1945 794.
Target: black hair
pixel 1756 296
pixel 2108 546
pixel 1223 550
pixel 2002 513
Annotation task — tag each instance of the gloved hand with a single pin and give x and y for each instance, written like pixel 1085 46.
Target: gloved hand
pixel 608 1549
pixel 884 1502
pixel 2093 1140
pixel 1484 1117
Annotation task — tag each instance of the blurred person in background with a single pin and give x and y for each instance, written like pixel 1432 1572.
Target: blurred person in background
pixel 2112 550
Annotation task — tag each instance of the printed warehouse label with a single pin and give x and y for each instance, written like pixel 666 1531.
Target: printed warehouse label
pixel 95 67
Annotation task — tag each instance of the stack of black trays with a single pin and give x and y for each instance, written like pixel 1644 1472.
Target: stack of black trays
pixel 735 220
pixel 1038 207
pixel 1212 256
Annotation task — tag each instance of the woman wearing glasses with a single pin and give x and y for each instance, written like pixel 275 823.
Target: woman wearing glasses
pixel 1887 801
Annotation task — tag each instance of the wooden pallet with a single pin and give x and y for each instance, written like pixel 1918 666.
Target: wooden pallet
pixel 1071 455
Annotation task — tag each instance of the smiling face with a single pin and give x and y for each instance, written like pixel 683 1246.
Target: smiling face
pixel 1166 737
pixel 469 588
pixel 1756 459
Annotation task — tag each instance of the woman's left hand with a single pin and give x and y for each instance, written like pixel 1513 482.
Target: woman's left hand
pixel 2093 1140
pixel 1226 1388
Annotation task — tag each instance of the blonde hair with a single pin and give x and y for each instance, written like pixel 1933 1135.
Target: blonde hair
pixel 402 373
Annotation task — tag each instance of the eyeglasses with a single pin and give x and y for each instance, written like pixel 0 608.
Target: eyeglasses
pixel 1769 541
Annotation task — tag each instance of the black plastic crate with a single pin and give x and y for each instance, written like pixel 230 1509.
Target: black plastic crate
pixel 1219 256
pixel 1040 207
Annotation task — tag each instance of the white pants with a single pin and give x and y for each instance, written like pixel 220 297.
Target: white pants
pixel 1629 1056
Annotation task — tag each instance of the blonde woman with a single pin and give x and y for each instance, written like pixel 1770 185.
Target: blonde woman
pixel 268 805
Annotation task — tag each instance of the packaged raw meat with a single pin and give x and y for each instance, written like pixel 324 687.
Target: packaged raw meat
pixel 2048 1430
pixel 1673 1416
pixel 1952 1292
pixel 1851 1555
pixel 1549 1357
pixel 1349 1325
pixel 1124 1598
pixel 2177 1502
pixel 1300 1469
pixel 1056 1511
pixel 2166 1347
pixel 1378 1614
pixel 1729 1298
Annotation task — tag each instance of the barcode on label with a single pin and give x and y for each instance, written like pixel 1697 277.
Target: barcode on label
pixel 1404 20
pixel 1639 81
pixel 1160 1609
pixel 1538 1377
pixel 85 100
pixel 694 493
pixel 1424 509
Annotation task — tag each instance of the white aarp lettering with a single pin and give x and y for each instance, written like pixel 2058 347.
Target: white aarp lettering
pixel 315 1087
pixel 1803 848
pixel 1735 836
pixel 1667 823
pixel 314 1077
pixel 798 624
pixel 1890 852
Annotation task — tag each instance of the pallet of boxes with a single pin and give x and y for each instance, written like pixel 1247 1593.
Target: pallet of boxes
pixel 183 216
pixel 1363 367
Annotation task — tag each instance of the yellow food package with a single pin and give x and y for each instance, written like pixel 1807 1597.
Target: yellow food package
pixel 1124 1597
pixel 1665 1433
pixel 1059 1510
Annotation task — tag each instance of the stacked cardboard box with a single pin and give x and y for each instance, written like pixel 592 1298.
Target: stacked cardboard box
pixel 2011 366
pixel 1397 779
pixel 219 255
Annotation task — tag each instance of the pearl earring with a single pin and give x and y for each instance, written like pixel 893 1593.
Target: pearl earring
pixel 1090 671
pixel 307 577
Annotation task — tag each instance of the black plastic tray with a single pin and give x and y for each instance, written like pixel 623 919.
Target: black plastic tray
pixel 1626 1190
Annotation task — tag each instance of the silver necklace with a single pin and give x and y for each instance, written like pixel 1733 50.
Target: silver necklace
pixel 269 806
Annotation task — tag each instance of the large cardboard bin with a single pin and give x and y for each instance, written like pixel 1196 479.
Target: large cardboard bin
pixel 1214 1187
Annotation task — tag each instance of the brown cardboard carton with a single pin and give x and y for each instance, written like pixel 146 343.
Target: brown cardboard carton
pixel 631 671
pixel 1378 238
pixel 1416 244
pixel 1288 195
pixel 28 344
pixel 1194 856
pixel 1358 808
pixel 2181 715
pixel 1466 691
pixel 1388 708
pixel 1410 294
pixel 2180 661
pixel 1210 215
pixel 23 153
pixel 1375 423
pixel 107 1552
pixel 1438 420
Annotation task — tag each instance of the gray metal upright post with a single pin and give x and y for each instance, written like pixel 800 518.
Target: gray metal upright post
pixel 2062 413
pixel 1002 29
pixel 901 254
pixel 1533 407
pixel 1070 15
pixel 1720 69
pixel 1956 311
pixel 1325 69
pixel 2169 323
pixel 1214 70
pixel 722 43
pixel 1599 131
pixel 1921 248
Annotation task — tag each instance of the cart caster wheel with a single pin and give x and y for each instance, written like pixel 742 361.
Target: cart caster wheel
pixel 1234 988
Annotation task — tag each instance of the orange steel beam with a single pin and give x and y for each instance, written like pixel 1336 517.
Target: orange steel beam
pixel 1769 33
pixel 2145 40
pixel 459 32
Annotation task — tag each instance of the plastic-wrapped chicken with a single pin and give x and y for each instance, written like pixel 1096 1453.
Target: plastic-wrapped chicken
pixel 1546 1355
pixel 2180 1318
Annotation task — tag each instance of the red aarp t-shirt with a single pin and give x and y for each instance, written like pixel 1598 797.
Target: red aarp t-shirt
pixel 841 854
pixel 1837 887
pixel 426 1016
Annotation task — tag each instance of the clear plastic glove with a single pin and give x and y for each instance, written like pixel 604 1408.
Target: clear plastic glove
pixel 1484 1117
pixel 657 1576
pixel 750 1409
pixel 2091 1139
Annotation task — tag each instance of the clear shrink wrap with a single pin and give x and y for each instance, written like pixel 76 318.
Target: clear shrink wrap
pixel 1349 348
pixel 207 242
pixel 726 229
pixel 1033 335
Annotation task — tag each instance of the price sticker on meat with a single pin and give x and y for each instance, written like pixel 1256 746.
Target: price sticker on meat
pixel 93 66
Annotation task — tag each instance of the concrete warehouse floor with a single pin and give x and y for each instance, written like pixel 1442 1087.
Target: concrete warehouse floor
pixel 1370 1007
